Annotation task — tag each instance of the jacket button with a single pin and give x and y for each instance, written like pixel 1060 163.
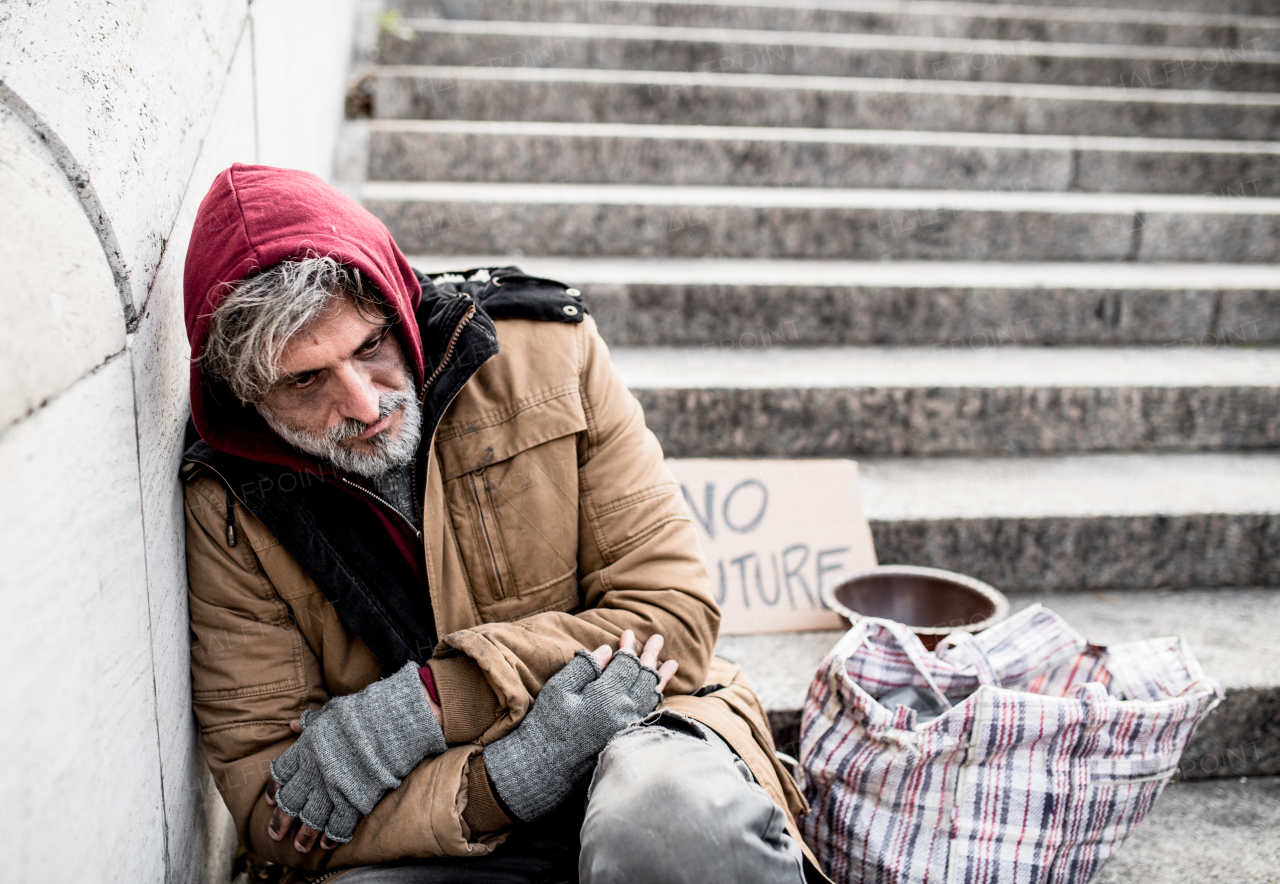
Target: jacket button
pixel 573 293
pixel 569 310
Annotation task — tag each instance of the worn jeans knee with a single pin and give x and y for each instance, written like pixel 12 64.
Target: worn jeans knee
pixel 671 803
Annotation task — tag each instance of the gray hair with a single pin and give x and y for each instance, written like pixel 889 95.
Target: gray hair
pixel 249 329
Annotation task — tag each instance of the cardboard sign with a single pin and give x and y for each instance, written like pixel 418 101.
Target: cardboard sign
pixel 774 532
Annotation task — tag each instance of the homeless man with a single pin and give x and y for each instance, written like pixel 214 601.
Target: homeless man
pixel 417 504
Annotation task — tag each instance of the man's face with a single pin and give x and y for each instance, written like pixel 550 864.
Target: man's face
pixel 346 394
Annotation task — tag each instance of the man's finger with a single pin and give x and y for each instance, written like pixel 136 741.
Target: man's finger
pixel 270 793
pixel 627 644
pixel 326 844
pixel 665 671
pixel 279 825
pixel 306 839
pixel 296 725
pixel 651 648
pixel 603 655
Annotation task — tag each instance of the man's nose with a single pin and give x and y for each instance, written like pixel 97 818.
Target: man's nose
pixel 358 397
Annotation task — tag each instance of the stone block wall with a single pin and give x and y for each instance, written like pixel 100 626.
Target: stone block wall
pixel 114 119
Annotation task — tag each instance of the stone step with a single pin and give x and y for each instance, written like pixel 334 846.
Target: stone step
pixel 521 44
pixel 932 18
pixel 1222 830
pixel 588 220
pixel 930 401
pixel 726 304
pixel 1220 7
pixel 620 153
pixel 700 98
pixel 1231 632
pixel 1082 522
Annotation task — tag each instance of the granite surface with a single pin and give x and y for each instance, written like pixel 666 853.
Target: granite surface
pixel 742 316
pixel 1222 7
pixel 759 161
pixel 898 274
pixel 1166 237
pixel 1074 486
pixel 1006 421
pixel 1248 310
pixel 655 160
pixel 1092 552
pixel 477 93
pixel 991 367
pixel 947 20
pixel 1235 175
pixel 941 234
pixel 796 54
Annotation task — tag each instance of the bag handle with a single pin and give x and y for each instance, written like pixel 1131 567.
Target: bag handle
pixel 968 645
pixel 911 647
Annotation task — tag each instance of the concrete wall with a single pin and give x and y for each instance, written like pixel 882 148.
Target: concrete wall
pixel 114 119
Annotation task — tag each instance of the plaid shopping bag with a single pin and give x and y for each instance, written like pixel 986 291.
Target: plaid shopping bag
pixel 1049 752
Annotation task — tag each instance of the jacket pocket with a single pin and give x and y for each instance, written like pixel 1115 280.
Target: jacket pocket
pixel 516 526
pixel 511 487
pixel 484 523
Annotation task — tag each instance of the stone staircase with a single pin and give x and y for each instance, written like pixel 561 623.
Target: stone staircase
pixel 1021 262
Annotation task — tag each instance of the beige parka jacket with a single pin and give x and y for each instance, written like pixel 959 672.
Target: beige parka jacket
pixel 550 523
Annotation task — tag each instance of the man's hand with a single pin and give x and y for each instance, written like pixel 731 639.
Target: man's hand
pixel 648 657
pixel 579 709
pixel 350 754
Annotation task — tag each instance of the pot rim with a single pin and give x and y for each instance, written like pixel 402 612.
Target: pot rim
pixel 986 590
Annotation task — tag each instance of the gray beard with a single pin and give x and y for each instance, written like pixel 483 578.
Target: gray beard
pixel 388 454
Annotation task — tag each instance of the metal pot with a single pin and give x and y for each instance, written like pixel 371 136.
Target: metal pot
pixel 931 601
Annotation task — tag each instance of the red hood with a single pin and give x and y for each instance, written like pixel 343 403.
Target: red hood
pixel 253 218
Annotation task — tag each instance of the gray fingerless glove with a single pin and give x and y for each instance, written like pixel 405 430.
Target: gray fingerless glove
pixel 536 766
pixel 354 750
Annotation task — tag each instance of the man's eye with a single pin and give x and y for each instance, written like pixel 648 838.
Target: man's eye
pixel 372 347
pixel 302 381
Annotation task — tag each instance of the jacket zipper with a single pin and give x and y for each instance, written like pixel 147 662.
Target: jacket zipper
pixel 484 525
pixel 453 340
pixel 448 350
pixel 444 361
pixel 382 500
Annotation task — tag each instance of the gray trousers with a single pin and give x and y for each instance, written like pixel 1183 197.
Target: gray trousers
pixel 669 803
